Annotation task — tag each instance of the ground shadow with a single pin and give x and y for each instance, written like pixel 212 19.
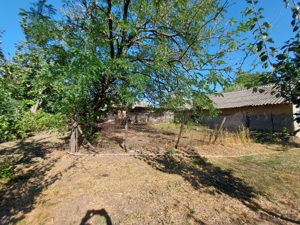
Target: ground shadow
pixel 118 140
pixel 141 132
pixel 269 215
pixel 18 194
pixel 91 213
pixel 202 174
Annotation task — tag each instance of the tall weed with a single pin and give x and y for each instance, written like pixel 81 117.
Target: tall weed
pixel 241 136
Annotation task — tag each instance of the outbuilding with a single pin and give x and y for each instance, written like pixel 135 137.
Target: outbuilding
pixel 255 110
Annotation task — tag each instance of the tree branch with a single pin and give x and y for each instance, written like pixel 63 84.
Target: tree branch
pixel 110 27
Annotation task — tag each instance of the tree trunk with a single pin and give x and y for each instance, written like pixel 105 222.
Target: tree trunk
pixel 83 137
pixel 74 138
pixel 180 132
pixel 35 107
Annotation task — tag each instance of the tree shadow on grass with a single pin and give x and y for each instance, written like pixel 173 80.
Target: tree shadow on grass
pixel 31 163
pixel 202 174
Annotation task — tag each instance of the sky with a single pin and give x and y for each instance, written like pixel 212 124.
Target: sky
pixel 274 11
pixel 9 22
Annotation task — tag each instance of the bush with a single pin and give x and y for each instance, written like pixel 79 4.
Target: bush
pixel 7 167
pixel 285 136
pixel 13 126
pixel 17 125
pixel 47 121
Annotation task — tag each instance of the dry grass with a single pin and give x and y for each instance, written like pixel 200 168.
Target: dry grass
pixel 52 187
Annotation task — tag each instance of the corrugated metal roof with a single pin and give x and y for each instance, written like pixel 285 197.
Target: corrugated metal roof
pixel 247 97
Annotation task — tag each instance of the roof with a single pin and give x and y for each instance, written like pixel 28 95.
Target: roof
pixel 247 97
pixel 141 104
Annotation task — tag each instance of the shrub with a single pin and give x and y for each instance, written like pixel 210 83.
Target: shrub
pixel 47 121
pixel 284 135
pixel 7 167
pixel 17 125
pixel 13 126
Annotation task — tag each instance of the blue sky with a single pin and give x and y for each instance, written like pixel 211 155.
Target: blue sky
pixel 9 22
pixel 275 13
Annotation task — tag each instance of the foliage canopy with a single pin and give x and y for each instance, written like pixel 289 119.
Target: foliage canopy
pixel 283 62
pixel 92 55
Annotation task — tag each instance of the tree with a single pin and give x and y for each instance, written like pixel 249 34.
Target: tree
pixel 287 68
pixel 284 62
pixel 102 53
pixel 23 89
pixel 1 51
pixel 11 126
pixel 250 80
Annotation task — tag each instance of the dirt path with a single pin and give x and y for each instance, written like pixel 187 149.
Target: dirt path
pixel 126 190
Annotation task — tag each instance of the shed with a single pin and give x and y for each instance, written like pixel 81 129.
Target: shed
pixel 142 113
pixel 256 110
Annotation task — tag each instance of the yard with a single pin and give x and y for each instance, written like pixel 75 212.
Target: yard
pixel 230 180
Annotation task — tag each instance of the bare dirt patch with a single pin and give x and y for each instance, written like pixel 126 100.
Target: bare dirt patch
pixel 53 187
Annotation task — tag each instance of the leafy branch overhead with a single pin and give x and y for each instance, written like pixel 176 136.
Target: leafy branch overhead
pixel 133 44
pixel 91 55
pixel 285 61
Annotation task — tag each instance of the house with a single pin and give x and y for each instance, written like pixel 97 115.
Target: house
pixel 141 113
pixel 255 110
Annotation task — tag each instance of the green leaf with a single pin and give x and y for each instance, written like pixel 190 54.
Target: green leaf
pixel 251 26
pixel 295 28
pixel 281 57
pixel 265 65
pixel 259 46
pixel 266 25
pixel 264 58
pixel 293 22
pixel 249 11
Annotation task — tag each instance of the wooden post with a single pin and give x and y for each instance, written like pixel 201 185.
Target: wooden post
pixel 126 134
pixel 180 131
pixel 273 126
pixel 74 138
pixel 248 120
pixel 219 130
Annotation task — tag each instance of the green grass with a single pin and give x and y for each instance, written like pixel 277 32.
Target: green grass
pixel 275 176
